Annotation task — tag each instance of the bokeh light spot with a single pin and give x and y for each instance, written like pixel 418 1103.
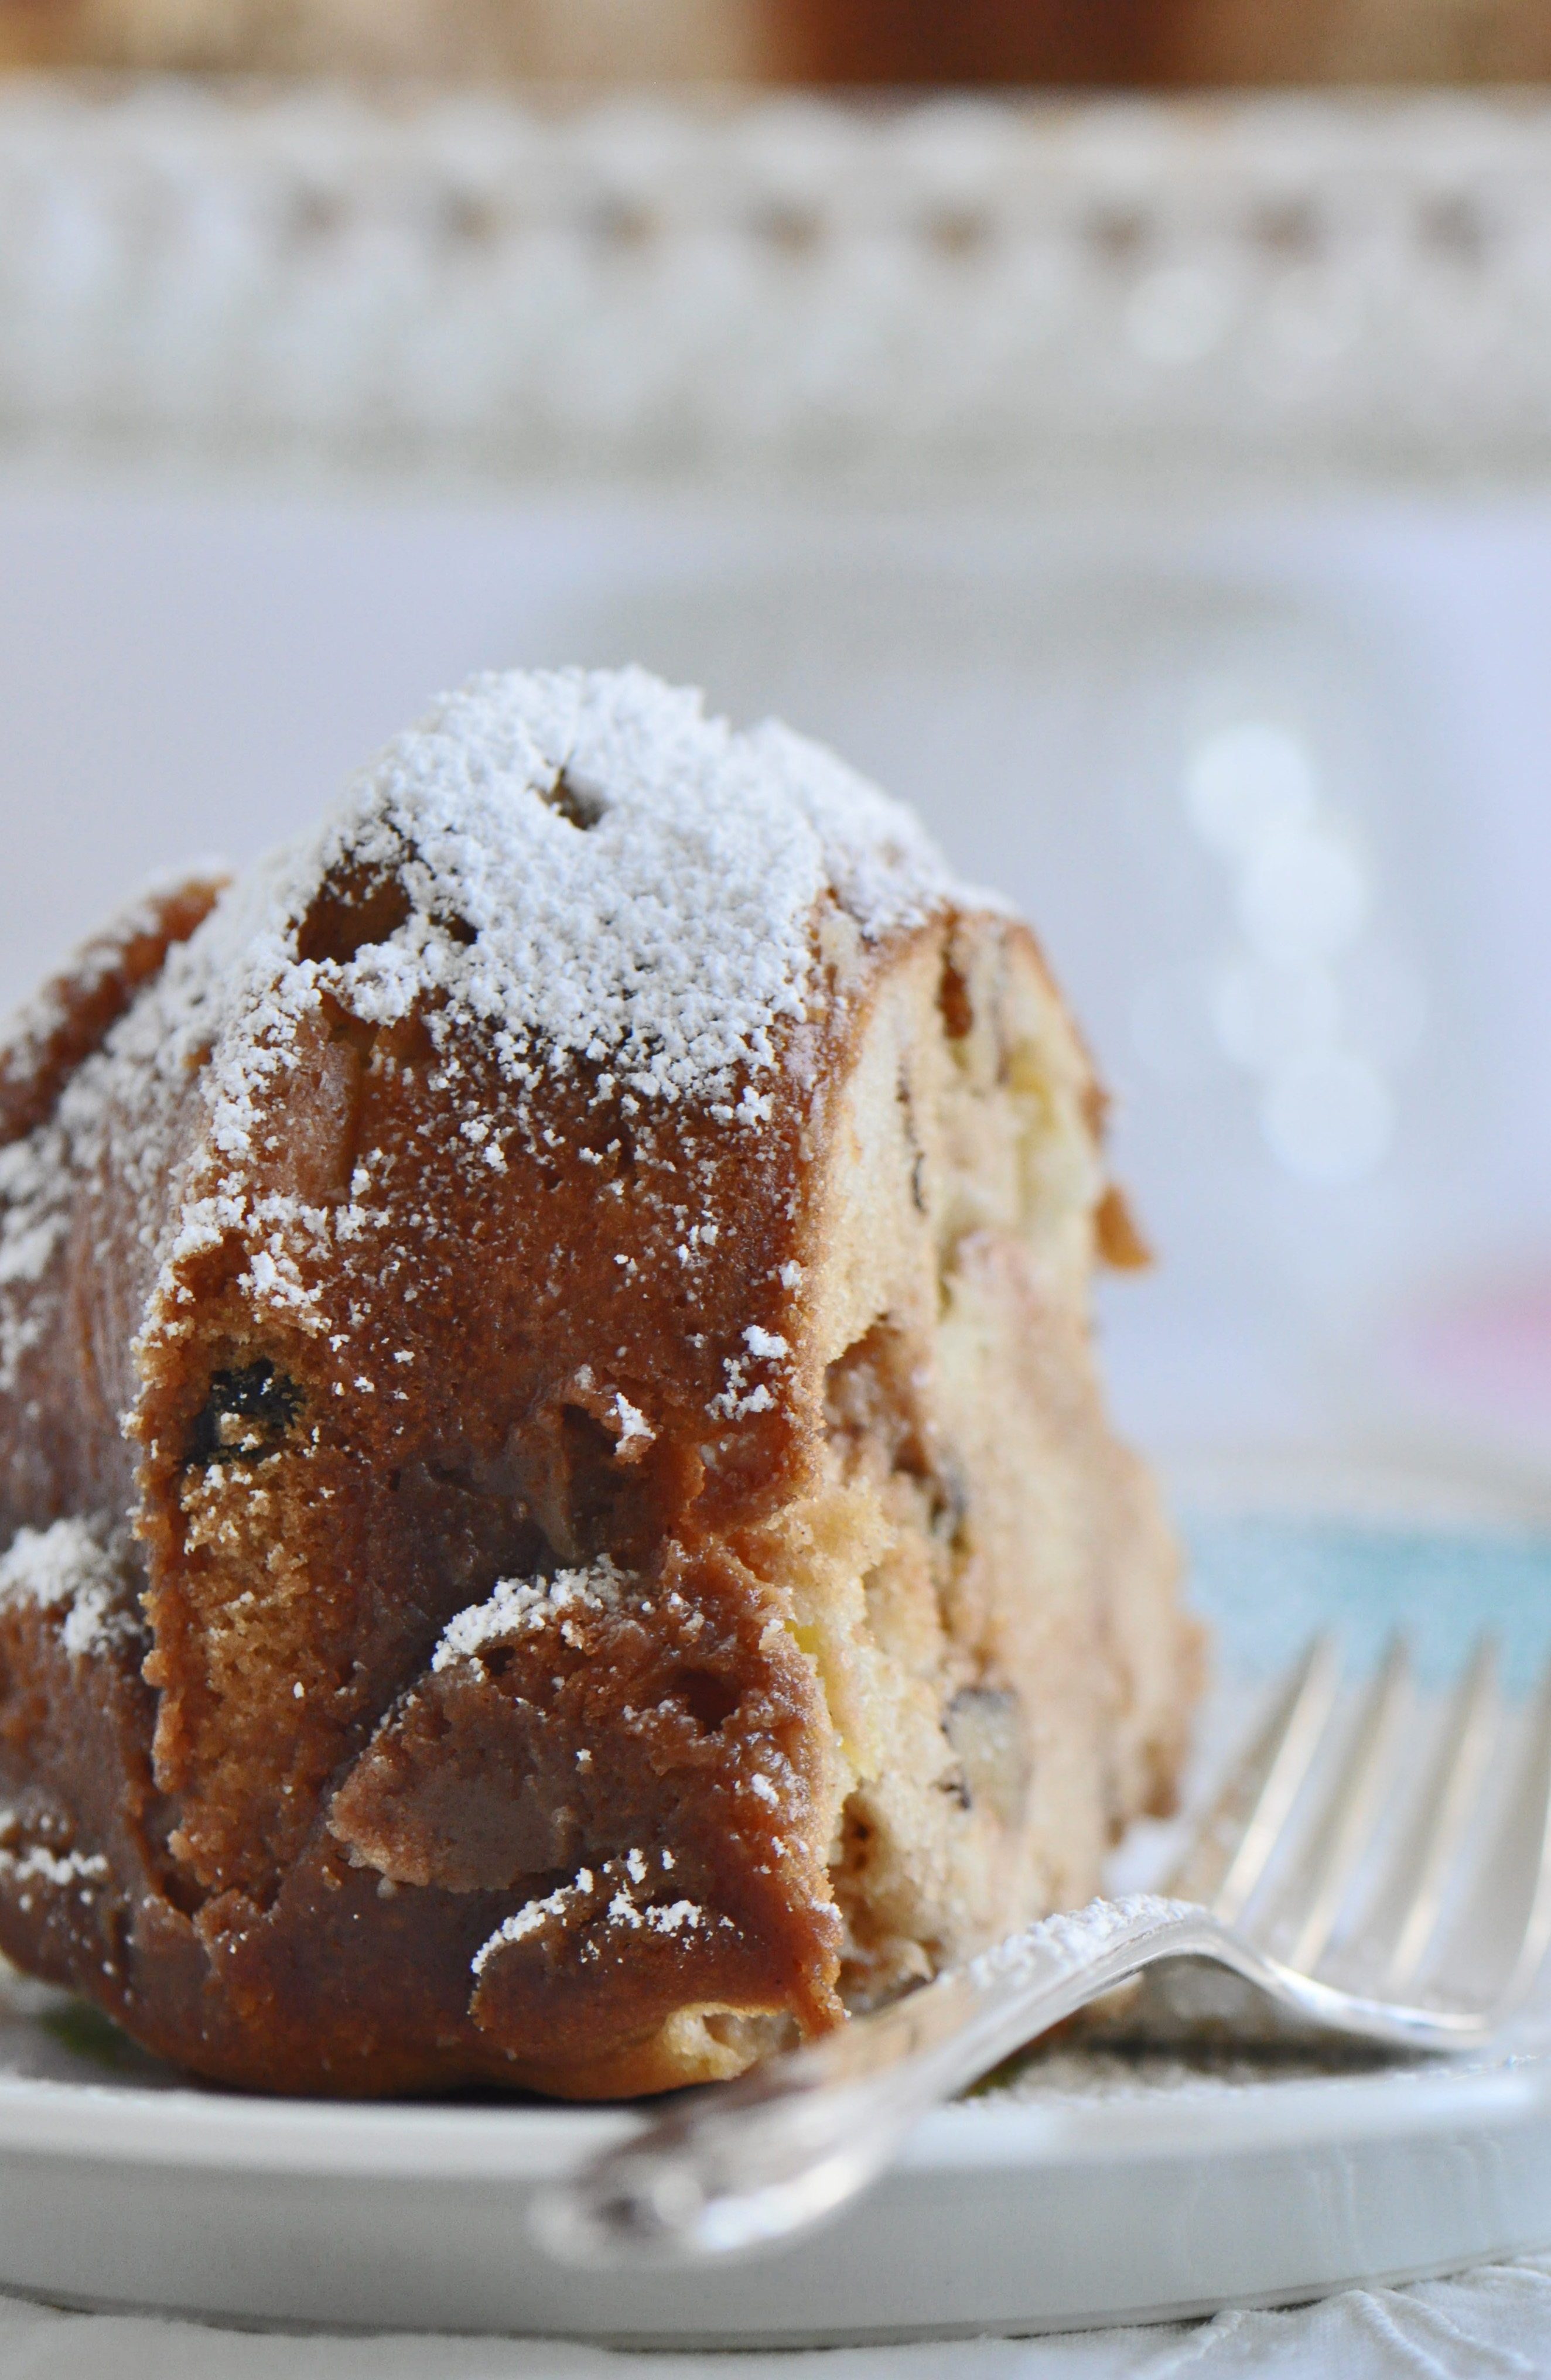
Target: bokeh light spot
pixel 1305 897
pixel 1248 785
pixel 1328 1118
pixel 1265 1015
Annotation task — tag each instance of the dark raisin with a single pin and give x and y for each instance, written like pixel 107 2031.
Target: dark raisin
pixel 711 1700
pixel 246 1415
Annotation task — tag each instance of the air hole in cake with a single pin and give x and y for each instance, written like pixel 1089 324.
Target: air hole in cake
pixel 575 803
pixel 949 1505
pixel 710 1700
pixel 608 1505
pixel 247 1415
pixel 871 1408
pixel 750 2036
pixel 344 1025
pixel 350 913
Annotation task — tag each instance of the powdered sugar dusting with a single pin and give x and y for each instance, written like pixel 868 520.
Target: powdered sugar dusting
pixel 1074 1939
pixel 634 1428
pixel 594 870
pixel 62 1868
pixel 604 1899
pixel 533 1917
pixel 71 1564
pixel 26 1035
pixel 522 1607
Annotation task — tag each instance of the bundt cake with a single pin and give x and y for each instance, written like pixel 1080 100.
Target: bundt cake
pixel 560 1524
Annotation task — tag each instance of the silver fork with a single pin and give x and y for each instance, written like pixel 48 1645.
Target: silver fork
pixel 1444 1860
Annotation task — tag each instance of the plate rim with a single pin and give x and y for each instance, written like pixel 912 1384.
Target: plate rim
pixel 182 2127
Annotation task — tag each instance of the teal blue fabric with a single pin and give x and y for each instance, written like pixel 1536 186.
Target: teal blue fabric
pixel 1266 1582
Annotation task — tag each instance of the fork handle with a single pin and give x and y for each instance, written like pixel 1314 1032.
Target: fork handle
pixel 776 2151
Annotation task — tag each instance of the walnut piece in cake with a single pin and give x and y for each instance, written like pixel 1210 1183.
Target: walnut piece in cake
pixel 562 1526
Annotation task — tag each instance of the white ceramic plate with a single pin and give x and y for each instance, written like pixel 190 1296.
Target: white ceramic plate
pixel 1095 2187
pixel 1100 2190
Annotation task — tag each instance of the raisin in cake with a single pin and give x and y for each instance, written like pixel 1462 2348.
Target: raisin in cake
pixel 560 1526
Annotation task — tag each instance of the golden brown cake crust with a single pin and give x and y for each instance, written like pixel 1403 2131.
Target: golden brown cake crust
pixel 399 1682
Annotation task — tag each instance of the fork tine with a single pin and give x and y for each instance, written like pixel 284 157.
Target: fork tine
pixel 1503 1928
pixel 1535 1795
pixel 1235 1840
pixel 1310 1900
pixel 1409 1899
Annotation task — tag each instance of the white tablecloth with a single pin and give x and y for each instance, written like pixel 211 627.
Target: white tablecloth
pixel 1495 2321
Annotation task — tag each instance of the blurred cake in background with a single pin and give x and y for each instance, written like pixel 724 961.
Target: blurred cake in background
pixel 1170 42
pixel 1235 42
pixel 561 40
pixel 1037 42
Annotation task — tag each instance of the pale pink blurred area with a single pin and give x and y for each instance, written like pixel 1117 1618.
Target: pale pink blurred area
pixel 1479 1358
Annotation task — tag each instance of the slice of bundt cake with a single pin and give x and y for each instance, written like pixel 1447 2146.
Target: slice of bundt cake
pixel 561 1523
